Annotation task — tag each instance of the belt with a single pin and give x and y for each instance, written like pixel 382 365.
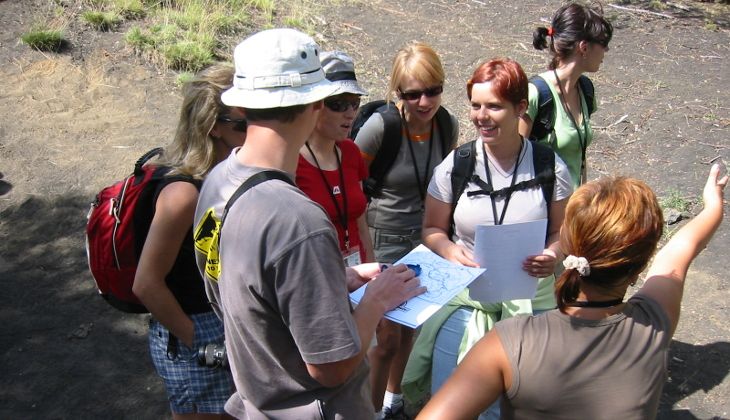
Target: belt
pixel 396 236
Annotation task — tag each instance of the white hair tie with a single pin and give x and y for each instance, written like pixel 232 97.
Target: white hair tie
pixel 580 264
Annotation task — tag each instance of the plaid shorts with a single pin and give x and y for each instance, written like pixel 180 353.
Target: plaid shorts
pixel 191 388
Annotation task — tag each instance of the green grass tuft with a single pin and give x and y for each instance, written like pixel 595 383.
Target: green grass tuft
pixel 101 21
pixel 674 200
pixel 131 9
pixel 43 39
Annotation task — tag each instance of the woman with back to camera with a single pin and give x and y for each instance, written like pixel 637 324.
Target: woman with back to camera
pixel 597 356
pixel 395 213
pixel 330 169
pixel 167 281
pixel 497 91
pixel 577 39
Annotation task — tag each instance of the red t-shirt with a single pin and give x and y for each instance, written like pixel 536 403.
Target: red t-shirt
pixel 355 171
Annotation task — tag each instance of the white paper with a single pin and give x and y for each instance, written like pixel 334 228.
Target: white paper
pixel 501 250
pixel 443 280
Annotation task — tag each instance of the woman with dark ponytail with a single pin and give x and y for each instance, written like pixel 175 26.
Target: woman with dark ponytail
pixel 596 356
pixel 577 40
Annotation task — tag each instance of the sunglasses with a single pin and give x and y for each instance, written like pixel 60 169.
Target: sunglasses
pixel 341 105
pixel 413 95
pixel 240 124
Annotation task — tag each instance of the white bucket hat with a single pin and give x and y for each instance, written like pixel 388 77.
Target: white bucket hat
pixel 277 68
pixel 339 68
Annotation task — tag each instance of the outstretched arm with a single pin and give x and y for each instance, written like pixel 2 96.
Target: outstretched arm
pixel 476 383
pixel 665 279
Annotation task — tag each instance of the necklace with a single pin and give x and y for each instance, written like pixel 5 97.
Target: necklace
pixel 498 221
pixel 422 184
pixel 341 212
pixel 582 141
pixel 595 303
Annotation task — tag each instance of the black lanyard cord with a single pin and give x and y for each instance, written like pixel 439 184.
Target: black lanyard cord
pixel 508 194
pixel 422 185
pixel 341 213
pixel 582 141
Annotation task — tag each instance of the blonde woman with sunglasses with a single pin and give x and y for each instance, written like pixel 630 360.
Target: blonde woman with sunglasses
pixel 395 213
pixel 167 280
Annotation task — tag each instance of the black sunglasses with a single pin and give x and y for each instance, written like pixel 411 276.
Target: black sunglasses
pixel 412 95
pixel 341 105
pixel 241 123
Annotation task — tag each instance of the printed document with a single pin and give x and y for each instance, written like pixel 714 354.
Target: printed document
pixel 501 250
pixel 443 280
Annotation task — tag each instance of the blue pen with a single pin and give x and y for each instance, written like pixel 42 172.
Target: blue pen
pixel 415 267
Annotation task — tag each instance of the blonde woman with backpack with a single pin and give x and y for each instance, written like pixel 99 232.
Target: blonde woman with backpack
pixel 167 281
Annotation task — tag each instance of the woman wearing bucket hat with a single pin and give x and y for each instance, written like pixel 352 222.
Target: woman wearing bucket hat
pixel 395 213
pixel 167 281
pixel 330 169
pixel 578 40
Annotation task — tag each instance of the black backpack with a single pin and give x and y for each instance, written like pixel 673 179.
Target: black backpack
pixel 543 159
pixel 386 155
pixel 544 121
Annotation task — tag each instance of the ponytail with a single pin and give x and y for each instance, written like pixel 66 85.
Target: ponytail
pixel 567 288
pixel 539 38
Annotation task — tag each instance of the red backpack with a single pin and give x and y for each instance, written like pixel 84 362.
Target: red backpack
pixel 117 226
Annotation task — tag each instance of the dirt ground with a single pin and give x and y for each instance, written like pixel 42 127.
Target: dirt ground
pixel 75 121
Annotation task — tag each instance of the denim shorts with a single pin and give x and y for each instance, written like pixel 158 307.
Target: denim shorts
pixel 191 388
pixel 391 245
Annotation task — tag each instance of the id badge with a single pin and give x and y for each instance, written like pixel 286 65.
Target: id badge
pixel 352 256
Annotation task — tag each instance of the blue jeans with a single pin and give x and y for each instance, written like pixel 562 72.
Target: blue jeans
pixel 446 352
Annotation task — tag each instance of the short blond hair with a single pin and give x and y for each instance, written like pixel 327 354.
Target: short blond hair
pixel 419 61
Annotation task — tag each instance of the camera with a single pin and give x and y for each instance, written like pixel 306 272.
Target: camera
pixel 212 355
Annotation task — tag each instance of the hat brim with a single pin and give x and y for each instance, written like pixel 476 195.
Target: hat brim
pixel 279 97
pixel 349 86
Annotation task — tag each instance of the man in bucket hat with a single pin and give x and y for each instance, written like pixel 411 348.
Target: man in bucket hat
pixel 295 345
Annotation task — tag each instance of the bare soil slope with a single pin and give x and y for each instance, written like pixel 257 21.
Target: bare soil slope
pixel 73 122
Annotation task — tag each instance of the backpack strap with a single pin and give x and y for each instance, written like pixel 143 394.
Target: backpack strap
pixel 251 182
pixel 388 151
pixel 144 158
pixel 589 93
pixel 464 162
pixel 446 131
pixel 544 120
pixel 543 160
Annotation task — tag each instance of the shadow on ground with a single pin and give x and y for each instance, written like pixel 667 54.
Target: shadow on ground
pixel 62 345
pixel 693 368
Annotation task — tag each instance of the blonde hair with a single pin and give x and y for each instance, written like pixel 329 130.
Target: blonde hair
pixel 615 223
pixel 419 61
pixel 192 150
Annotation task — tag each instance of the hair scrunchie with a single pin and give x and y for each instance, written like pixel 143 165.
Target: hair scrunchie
pixel 550 31
pixel 580 264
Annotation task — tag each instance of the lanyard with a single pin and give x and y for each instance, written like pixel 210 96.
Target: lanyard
pixel 582 141
pixel 341 213
pixel 509 192
pixel 422 185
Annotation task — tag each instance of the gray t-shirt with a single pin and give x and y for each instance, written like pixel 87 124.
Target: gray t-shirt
pixel 401 207
pixel 572 368
pixel 284 300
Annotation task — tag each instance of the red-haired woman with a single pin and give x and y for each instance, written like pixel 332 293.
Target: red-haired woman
pixel 497 92
pixel 597 356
